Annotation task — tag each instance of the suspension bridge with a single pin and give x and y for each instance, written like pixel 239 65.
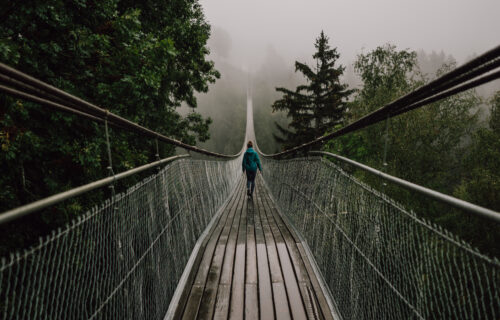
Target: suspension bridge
pixel 187 243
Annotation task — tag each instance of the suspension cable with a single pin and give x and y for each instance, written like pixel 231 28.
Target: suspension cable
pixel 54 199
pixel 455 202
pixel 448 84
pixel 24 86
pixel 58 106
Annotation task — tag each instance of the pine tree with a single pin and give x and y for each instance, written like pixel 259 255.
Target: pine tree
pixel 317 106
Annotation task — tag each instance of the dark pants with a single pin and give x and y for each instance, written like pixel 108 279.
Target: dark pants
pixel 251 180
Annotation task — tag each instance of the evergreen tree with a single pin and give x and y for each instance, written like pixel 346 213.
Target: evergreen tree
pixel 317 106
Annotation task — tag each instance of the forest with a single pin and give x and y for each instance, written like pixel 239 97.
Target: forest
pixel 163 66
pixel 140 60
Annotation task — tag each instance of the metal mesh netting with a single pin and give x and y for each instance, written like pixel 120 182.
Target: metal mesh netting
pixel 379 260
pixel 123 259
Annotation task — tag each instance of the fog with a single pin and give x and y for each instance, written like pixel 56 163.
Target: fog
pixel 457 27
pixel 257 42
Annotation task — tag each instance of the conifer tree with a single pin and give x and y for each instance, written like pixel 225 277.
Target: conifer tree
pixel 317 106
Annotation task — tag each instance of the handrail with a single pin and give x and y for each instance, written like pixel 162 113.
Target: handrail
pixel 457 203
pixel 51 200
pixel 438 89
pixel 41 92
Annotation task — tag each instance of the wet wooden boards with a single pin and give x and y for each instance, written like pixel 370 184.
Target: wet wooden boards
pixel 252 266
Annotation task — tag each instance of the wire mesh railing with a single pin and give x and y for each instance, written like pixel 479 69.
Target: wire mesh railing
pixel 123 259
pixel 379 260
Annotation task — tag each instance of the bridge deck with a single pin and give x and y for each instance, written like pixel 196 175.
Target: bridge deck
pixel 252 266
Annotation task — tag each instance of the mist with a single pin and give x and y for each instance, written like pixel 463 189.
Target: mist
pixel 458 27
pixel 256 44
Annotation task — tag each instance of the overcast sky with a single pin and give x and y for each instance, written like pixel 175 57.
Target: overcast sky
pixel 458 27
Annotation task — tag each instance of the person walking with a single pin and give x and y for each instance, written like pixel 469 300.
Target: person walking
pixel 250 164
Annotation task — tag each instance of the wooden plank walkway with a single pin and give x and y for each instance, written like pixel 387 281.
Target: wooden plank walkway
pixel 252 266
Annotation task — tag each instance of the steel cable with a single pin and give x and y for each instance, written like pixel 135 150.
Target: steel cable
pixel 431 92
pixel 44 92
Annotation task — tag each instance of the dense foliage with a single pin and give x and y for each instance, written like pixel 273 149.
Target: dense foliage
pixel 438 146
pixel 481 183
pixel 318 105
pixel 139 59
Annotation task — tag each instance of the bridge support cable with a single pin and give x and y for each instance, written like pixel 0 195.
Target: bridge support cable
pixel 379 260
pixel 123 258
pixel 17 83
pixel 23 86
pixel 455 202
pixel 449 93
pixel 21 211
pixel 462 78
pixel 52 104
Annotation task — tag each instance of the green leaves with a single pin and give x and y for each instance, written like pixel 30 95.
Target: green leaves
pixel 438 146
pixel 385 71
pixel 482 182
pixel 8 52
pixel 140 60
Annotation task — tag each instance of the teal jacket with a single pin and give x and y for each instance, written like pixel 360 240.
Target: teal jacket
pixel 251 160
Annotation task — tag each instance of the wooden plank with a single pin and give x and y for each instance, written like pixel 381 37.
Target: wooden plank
pixel 251 301
pixel 279 291
pixel 207 257
pixel 309 280
pixel 321 299
pixel 313 297
pixel 227 268
pixel 251 258
pixel 266 304
pixel 287 235
pixel 310 303
pixel 193 302
pixel 237 310
pixel 272 254
pixel 210 293
pixel 312 307
pixel 222 304
pixel 210 237
pixel 292 287
pixel 223 297
pixel 281 301
pixel 251 277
